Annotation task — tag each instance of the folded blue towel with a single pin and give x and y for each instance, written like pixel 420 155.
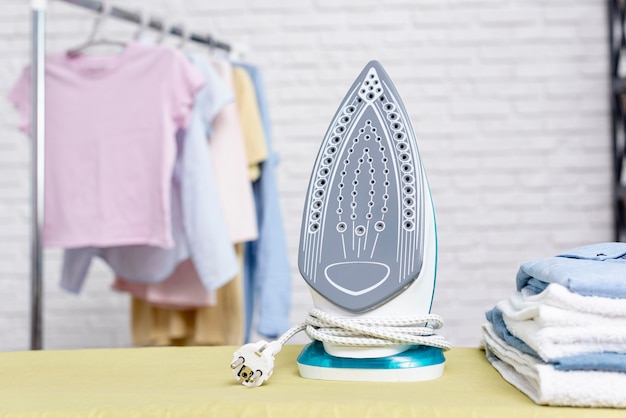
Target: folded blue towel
pixel 592 270
pixel 605 361
pixel 495 317
pixel 594 361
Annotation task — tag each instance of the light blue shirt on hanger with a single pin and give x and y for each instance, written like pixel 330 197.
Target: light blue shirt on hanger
pixel 267 274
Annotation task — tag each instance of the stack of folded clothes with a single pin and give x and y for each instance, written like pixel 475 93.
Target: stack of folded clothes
pixel 561 337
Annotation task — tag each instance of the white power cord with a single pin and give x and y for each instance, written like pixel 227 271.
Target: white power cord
pixel 253 363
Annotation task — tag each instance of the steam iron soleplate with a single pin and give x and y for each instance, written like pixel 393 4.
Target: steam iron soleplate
pixel 415 364
pixel 368 242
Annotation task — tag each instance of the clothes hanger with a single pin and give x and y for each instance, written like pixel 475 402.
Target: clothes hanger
pixel 238 52
pixel 183 37
pixel 143 24
pixel 94 39
pixel 164 31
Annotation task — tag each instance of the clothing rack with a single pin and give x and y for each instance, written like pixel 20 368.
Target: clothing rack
pixel 157 24
pixel 38 21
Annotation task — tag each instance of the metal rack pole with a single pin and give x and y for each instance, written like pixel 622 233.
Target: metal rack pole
pixel 157 24
pixel 37 168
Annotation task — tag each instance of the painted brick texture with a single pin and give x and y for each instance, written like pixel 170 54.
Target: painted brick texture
pixel 509 100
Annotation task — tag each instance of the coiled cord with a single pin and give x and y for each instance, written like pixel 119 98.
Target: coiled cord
pixel 253 363
pixel 376 332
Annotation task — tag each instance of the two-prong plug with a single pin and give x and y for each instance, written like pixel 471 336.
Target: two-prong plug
pixel 253 364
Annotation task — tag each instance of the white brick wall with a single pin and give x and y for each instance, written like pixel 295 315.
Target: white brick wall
pixel 509 100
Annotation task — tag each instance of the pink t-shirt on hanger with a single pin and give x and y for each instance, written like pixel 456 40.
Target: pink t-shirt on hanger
pixel 110 144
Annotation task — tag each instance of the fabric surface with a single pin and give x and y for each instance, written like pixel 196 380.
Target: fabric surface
pixel 138 263
pixel 530 304
pixel 547 386
pixel 600 359
pixel 494 316
pixel 106 123
pixel 208 237
pixel 182 290
pixel 196 381
pixel 219 322
pixel 267 272
pixel 558 341
pixel 251 123
pixel 591 270
pixel 228 155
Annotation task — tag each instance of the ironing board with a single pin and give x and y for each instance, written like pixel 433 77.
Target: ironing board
pixel 197 381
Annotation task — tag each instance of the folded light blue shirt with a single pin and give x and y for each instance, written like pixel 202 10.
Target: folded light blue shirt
pixel 267 274
pixel 198 225
pixel 591 270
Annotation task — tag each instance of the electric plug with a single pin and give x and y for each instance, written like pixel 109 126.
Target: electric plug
pixel 253 364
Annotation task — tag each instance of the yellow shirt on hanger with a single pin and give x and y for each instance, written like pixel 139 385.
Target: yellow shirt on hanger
pixel 251 123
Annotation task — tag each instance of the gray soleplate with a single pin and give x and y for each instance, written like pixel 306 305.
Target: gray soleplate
pixel 362 234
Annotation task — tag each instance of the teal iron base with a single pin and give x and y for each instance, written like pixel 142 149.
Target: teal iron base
pixel 415 364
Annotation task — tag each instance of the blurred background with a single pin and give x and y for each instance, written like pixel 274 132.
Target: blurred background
pixel 509 100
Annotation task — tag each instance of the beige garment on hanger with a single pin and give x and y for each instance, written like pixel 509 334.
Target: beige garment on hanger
pixel 251 123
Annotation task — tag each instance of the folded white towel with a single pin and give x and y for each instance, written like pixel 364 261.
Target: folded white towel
pixel 558 323
pixel 559 296
pixel 552 342
pixel 515 308
pixel 547 386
